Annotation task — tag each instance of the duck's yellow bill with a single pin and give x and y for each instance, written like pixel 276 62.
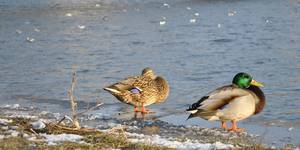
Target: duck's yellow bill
pixel 255 83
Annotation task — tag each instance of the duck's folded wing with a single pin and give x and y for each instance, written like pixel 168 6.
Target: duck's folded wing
pixel 122 85
pixel 218 98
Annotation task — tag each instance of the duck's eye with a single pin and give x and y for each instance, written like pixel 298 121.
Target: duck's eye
pixel 135 90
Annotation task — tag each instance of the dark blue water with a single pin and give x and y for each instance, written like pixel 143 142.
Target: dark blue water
pixel 121 37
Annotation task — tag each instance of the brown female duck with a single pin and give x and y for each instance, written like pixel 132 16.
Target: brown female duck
pixel 141 91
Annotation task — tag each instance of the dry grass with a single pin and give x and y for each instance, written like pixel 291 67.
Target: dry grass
pixel 93 138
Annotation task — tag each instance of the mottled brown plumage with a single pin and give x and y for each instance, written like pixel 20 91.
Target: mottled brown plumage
pixel 142 90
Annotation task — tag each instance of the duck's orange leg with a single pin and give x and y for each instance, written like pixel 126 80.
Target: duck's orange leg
pixel 136 109
pixel 144 110
pixel 234 127
pixel 223 125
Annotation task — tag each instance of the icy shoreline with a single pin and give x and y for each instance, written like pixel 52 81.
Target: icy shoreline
pixel 137 130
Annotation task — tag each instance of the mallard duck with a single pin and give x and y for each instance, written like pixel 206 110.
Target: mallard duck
pixel 141 91
pixel 235 102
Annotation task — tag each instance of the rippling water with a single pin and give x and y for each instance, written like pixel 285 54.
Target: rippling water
pixel 122 37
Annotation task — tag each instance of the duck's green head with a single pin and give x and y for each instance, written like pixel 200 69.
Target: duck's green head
pixel 244 80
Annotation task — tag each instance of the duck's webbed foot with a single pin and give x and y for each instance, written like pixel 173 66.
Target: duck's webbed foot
pixel 223 125
pixel 234 127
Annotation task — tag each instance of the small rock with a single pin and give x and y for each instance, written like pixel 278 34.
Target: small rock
pixel 2 137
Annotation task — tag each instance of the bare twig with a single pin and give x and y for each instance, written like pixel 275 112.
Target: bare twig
pixel 73 102
pixel 90 109
pixel 64 118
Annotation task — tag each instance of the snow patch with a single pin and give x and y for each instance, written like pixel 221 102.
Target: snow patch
pixel 5 122
pixel 158 140
pixel 53 139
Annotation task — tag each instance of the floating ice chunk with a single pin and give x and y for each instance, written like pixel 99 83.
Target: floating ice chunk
pixel 53 139
pixel 219 25
pixel 196 14
pixel 18 31
pixel 162 22
pixel 290 129
pixel 166 5
pixel 97 5
pixel 81 27
pixel 38 125
pixel 188 8
pixel 37 30
pixel 29 39
pixel 192 20
pixel 231 13
pixel 68 15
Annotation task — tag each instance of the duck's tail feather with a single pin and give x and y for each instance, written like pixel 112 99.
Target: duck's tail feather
pixel 205 114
